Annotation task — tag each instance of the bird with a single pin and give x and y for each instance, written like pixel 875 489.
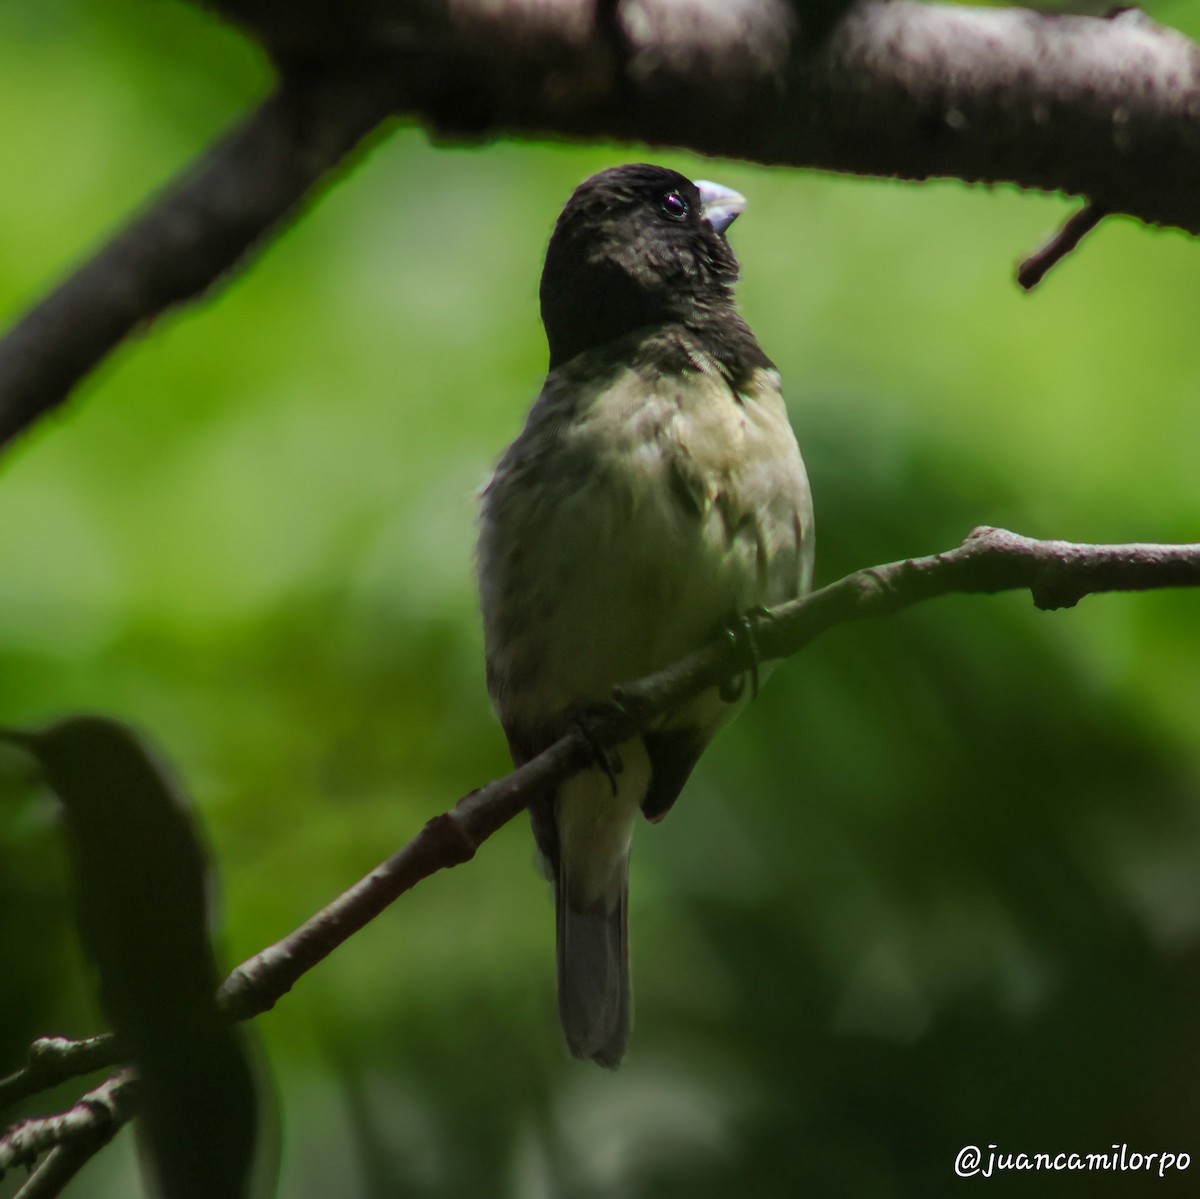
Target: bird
pixel 655 496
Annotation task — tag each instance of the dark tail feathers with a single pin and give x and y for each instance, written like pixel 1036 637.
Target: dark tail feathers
pixel 594 998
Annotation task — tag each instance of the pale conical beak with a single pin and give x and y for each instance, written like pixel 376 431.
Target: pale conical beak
pixel 722 205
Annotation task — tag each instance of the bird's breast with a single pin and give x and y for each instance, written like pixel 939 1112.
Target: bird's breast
pixel 642 521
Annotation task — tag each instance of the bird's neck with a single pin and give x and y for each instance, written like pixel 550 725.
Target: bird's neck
pixel 579 318
pixel 670 339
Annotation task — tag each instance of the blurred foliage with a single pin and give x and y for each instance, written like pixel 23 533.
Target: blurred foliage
pixel 938 886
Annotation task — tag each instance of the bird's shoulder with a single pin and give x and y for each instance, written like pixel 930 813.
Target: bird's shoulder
pixel 657 409
pixel 626 386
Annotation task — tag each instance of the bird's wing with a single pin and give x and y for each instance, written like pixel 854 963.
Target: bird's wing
pixel 673 755
pixel 765 522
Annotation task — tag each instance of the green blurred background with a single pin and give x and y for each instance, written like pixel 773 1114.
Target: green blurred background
pixel 937 887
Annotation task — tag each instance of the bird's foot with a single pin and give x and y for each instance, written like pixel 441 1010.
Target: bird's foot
pixel 586 717
pixel 740 629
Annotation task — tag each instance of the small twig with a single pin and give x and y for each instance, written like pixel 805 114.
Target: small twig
pixel 1031 272
pixel 447 840
pixel 58 1168
pixel 91 1123
pixel 52 1060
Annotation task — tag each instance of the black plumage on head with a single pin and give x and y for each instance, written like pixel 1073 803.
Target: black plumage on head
pixel 632 251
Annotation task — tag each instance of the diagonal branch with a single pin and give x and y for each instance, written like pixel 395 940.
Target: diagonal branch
pixel 1057 574
pixel 194 233
pixel 60 1165
pixel 85 1128
pixel 52 1060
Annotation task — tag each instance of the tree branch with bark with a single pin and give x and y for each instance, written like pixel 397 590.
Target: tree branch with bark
pixel 1107 109
pixel 1057 574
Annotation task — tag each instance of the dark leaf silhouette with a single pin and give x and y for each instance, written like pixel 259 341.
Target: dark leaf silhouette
pixel 140 874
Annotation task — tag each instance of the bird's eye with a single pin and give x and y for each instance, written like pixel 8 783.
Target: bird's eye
pixel 675 206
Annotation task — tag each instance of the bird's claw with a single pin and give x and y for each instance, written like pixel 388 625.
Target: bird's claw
pixel 740 629
pixel 585 717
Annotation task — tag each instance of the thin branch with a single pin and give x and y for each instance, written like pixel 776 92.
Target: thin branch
pixel 1058 574
pixel 52 1060
pixel 447 840
pixel 58 1168
pixel 192 235
pixel 87 1126
pixel 1033 270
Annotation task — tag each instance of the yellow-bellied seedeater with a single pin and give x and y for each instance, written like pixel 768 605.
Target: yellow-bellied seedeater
pixel 655 493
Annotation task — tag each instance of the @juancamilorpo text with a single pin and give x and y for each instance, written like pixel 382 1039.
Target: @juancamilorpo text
pixel 973 1162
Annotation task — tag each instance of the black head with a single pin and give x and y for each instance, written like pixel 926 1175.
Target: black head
pixel 635 247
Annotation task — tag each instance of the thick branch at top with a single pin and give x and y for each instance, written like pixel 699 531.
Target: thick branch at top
pixel 1107 108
